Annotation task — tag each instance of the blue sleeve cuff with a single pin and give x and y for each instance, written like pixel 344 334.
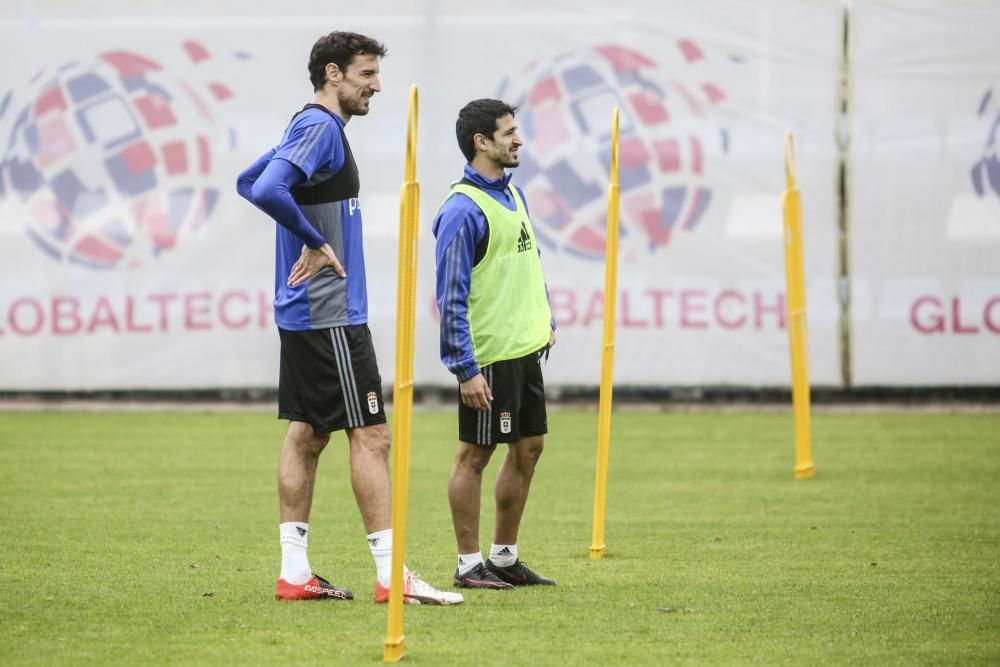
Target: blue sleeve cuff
pixel 467 373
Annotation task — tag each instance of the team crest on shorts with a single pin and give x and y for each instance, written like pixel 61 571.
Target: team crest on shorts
pixel 505 422
pixel 373 402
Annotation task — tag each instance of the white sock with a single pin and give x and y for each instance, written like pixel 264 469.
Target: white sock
pixel 503 554
pixel 294 537
pixel 380 544
pixel 467 562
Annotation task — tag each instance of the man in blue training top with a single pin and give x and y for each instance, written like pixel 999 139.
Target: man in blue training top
pixel 329 378
pixel 495 326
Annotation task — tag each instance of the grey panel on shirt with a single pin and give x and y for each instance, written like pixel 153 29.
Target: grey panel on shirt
pixel 328 291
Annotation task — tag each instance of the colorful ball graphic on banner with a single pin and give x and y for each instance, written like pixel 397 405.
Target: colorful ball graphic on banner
pixel 111 159
pixel 667 134
pixel 986 171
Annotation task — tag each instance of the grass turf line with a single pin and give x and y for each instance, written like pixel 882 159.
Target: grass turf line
pixel 152 539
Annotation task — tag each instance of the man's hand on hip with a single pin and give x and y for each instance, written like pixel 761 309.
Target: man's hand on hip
pixel 311 262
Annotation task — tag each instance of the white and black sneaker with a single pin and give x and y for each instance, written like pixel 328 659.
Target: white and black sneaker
pixel 418 591
pixel 480 577
pixel 518 574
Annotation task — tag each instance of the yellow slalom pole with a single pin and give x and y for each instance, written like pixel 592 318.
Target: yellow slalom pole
pixel 608 350
pixel 402 398
pixel 796 305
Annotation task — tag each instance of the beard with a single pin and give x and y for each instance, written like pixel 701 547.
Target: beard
pixel 354 107
pixel 505 160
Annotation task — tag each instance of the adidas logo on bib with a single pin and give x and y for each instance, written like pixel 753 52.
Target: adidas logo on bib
pixel 373 402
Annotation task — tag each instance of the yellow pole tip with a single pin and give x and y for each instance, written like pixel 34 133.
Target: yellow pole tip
pixel 596 553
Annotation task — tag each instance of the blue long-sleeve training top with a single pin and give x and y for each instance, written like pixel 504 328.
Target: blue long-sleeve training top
pixel 309 185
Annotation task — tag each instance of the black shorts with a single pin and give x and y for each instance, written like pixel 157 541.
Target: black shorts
pixel 329 378
pixel 518 408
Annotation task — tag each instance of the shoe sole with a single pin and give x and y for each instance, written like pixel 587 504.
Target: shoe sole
pixel 527 583
pixel 420 599
pixel 503 576
pixel 412 599
pixel 434 601
pixel 483 585
pixel 535 583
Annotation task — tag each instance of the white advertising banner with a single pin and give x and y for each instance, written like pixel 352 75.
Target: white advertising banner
pixel 925 193
pixel 127 260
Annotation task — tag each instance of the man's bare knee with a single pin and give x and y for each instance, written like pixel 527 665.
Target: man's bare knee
pixel 374 440
pixel 527 451
pixel 305 440
pixel 474 458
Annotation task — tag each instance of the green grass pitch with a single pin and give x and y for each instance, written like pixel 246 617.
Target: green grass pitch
pixel 152 539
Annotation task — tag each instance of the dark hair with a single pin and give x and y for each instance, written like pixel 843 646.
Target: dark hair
pixel 479 117
pixel 339 48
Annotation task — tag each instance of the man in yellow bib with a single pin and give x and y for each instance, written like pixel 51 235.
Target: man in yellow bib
pixel 495 327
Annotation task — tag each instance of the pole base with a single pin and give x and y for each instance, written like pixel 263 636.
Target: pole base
pixel 394 650
pixel 596 552
pixel 804 471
